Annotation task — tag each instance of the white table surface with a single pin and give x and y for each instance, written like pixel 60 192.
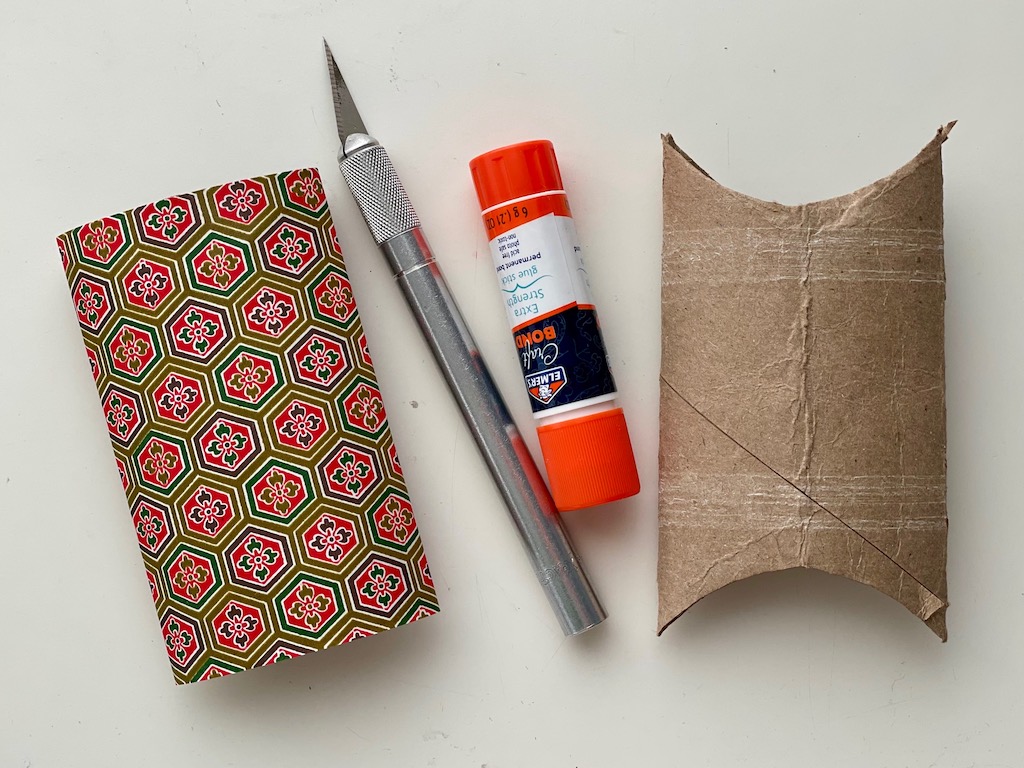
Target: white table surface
pixel 104 108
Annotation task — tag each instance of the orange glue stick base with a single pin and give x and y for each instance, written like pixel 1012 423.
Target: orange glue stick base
pixel 536 254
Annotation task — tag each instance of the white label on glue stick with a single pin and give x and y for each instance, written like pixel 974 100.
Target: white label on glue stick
pixel 539 269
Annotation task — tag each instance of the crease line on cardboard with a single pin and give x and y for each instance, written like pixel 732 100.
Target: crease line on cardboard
pixel 935 604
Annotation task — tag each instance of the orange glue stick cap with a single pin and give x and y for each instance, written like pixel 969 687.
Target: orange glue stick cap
pixel 589 460
pixel 515 171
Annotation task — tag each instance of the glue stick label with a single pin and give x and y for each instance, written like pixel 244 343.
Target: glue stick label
pixel 547 299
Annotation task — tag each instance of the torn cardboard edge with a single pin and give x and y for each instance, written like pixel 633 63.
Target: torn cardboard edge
pixel 803 409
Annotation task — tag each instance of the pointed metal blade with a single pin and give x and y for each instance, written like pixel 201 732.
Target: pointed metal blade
pixel 345 113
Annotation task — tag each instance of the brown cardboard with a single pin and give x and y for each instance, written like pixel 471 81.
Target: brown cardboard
pixel 803 387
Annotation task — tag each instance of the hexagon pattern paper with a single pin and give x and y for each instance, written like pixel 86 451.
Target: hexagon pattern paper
pixel 247 424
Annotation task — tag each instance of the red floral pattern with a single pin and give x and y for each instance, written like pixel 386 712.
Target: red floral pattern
pixel 94 364
pixel 103 240
pixel 249 378
pixel 123 413
pixel 227 444
pixel 364 353
pixel 132 350
pixel 396 466
pixel 278 491
pixel 363 409
pixel 219 264
pixel 330 539
pixel 192 576
pixel 258 559
pixel 182 638
pixel 161 463
pixel 178 397
pixel 304 190
pixel 300 425
pixel 269 312
pixel 92 303
pixel 198 331
pixel 393 521
pixel 152 525
pixel 122 473
pixel 380 585
pixel 238 626
pixel 310 606
pixel 356 634
pixel 424 567
pixel 333 298
pixel 282 651
pixel 154 587
pixel 148 284
pixel 350 473
pixel 241 201
pixel 249 433
pixel 290 248
pixel 168 223
pixel 319 360
pixel 208 510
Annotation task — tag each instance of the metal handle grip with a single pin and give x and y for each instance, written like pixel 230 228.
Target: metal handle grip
pixel 529 503
pixel 377 189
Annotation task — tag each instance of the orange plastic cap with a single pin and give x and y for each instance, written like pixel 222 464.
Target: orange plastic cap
pixel 515 171
pixel 589 460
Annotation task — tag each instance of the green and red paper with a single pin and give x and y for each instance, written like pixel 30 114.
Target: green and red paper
pixel 247 424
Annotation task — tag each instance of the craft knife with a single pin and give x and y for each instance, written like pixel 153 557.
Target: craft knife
pixel 395 227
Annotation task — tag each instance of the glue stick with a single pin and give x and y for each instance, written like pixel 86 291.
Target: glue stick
pixel 544 286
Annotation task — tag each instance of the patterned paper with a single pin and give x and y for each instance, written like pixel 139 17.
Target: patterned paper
pixel 247 425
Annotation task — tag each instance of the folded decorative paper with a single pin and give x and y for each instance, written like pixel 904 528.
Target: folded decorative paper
pixel 802 397
pixel 247 425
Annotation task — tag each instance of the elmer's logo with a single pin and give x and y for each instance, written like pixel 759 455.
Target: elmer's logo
pixel 544 385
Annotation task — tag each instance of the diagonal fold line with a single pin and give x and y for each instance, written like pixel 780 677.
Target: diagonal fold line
pixel 803 493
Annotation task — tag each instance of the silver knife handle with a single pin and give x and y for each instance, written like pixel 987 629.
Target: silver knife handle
pixel 376 187
pixel 540 529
